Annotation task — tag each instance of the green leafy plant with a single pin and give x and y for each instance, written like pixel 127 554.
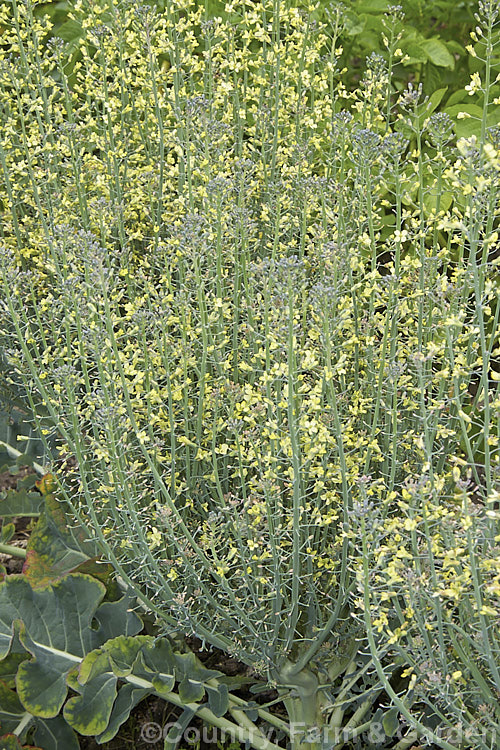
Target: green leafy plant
pixel 430 40
pixel 437 597
pixel 51 626
pixel 92 647
pixel 55 607
pixel 442 613
pixel 250 305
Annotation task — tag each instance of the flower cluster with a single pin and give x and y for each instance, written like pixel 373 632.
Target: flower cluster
pixel 252 314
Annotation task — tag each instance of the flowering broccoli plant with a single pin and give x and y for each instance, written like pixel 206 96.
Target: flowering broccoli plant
pixel 261 314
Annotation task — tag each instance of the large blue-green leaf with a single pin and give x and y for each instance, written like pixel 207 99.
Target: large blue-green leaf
pixel 54 624
pixel 7 531
pixel 55 734
pixel 218 699
pixel 128 697
pixel 20 502
pixel 89 712
pixel 187 664
pixel 70 31
pixel 191 691
pixel 53 549
pixel 152 664
pixel 390 721
pixel 12 710
pixel 9 667
pixel 117 618
pixel 73 640
pixel 117 655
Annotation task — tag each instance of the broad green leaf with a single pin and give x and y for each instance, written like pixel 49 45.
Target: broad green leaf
pixel 445 201
pixel 16 461
pixel 20 503
pixel 117 619
pixel 159 657
pixel 390 721
pixel 55 734
pixel 11 709
pixel 432 78
pixel 41 684
pixel 214 8
pixel 415 53
pixel 89 713
pixel 410 33
pixel 152 660
pixel 456 97
pixel 469 125
pixel 191 691
pixel 435 100
pixel 371 42
pixel 437 52
pixel 157 667
pixel 53 549
pixel 456 48
pixel 51 9
pixel 50 552
pixel 19 432
pixel 27 482
pixel 163 684
pixel 251 710
pixel 54 625
pixel 128 697
pixel 218 699
pixel 117 655
pixel 467 107
pixel 189 665
pixel 72 678
pixel 354 25
pixel 372 6
pixel 56 631
pixel 9 667
pixel 7 531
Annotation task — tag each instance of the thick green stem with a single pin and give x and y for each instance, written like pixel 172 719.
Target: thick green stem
pixel 236 732
pixel 9 549
pixel 303 706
